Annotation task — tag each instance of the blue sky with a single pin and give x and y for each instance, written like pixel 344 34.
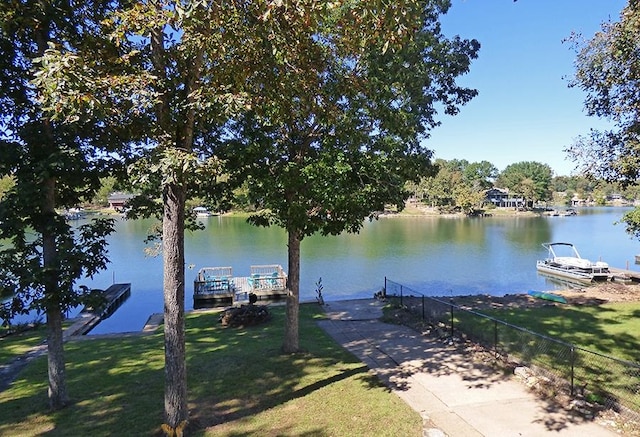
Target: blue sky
pixel 525 110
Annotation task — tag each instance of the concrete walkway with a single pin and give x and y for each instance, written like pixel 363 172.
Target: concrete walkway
pixel 455 396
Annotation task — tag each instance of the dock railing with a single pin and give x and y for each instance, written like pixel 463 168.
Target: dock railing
pixel 214 280
pixel 608 381
pixel 268 277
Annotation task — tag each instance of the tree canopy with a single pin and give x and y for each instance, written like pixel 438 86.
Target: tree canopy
pixel 185 69
pixel 529 178
pixel 51 166
pixel 338 141
pixel 333 98
pixel 608 70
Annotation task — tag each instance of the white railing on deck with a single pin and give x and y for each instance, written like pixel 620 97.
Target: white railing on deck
pixel 268 277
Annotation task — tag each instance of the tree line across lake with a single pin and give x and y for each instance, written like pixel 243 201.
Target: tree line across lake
pixel 461 186
pixel 457 186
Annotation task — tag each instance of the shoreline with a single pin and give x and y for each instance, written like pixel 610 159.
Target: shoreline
pixel 593 295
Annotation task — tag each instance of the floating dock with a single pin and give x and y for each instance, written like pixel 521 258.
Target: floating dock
pixel 216 286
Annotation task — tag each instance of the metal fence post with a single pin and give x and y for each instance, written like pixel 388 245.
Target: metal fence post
pixel 423 308
pixel 495 338
pixel 401 304
pixel 451 306
pixel 572 357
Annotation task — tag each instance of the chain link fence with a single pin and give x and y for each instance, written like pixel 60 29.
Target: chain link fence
pixel 610 382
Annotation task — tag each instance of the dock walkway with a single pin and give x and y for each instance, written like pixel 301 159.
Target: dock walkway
pixel 624 275
pixel 114 296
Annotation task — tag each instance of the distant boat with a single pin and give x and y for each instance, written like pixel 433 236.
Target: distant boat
pixel 201 211
pixel 74 214
pixel 572 267
pixel 568 213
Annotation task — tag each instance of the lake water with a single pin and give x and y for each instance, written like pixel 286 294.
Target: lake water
pixel 434 255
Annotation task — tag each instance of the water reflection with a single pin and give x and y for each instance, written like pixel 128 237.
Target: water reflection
pixel 442 256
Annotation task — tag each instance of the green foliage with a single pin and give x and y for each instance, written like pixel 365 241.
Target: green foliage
pixel 457 185
pixel 53 164
pixel 632 222
pixel 81 254
pixel 439 188
pixel 346 95
pixel 529 179
pixel 339 142
pixel 607 70
pixel 480 175
pixel 45 165
pixel 6 183
pixel 108 185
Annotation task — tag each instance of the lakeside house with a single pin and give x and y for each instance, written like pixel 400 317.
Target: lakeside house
pixel 501 198
pixel 119 200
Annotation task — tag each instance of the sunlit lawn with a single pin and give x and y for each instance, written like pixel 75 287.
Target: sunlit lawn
pixel 239 385
pixel 22 340
pixel 15 345
pixel 612 329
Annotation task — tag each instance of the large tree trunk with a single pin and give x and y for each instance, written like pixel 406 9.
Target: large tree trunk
pixel 55 359
pixel 55 350
pixel 291 336
pixel 175 392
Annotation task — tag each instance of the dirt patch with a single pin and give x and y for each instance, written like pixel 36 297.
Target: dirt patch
pixel 596 294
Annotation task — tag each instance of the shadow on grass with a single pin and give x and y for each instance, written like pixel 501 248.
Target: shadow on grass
pixel 435 354
pixel 114 384
pixel 597 349
pixel 215 410
pixel 241 372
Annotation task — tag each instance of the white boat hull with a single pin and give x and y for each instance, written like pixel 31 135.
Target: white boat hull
pixel 573 274
pixel 573 268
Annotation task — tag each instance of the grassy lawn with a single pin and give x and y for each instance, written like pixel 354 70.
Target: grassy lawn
pixel 611 329
pixel 239 385
pixel 15 345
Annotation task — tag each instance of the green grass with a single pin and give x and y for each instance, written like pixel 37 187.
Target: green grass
pixel 239 385
pixel 611 329
pixel 15 345
pixel 20 342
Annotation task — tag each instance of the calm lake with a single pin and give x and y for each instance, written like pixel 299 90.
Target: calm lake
pixel 434 255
